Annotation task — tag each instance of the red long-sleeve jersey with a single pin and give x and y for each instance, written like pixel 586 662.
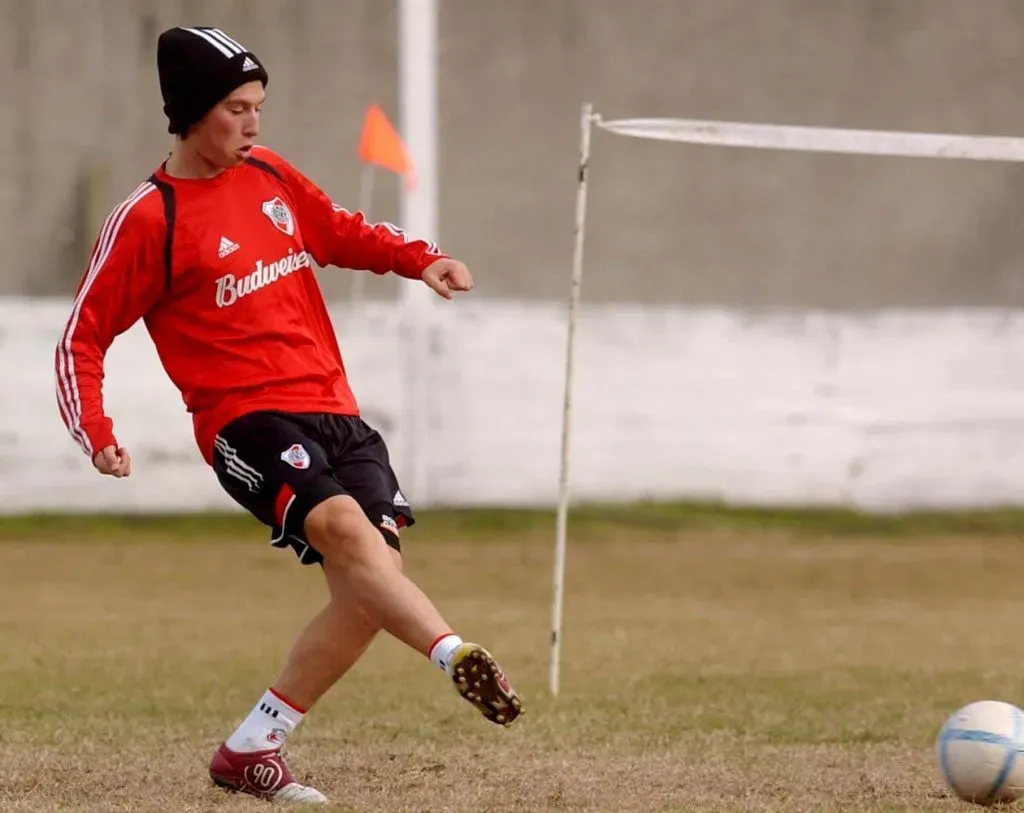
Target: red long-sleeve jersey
pixel 220 271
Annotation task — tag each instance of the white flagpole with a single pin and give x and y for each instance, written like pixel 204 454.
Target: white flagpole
pixel 586 122
pixel 417 34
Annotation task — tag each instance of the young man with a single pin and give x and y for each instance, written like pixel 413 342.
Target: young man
pixel 214 253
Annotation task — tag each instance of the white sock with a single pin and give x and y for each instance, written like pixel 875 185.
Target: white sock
pixel 268 724
pixel 441 650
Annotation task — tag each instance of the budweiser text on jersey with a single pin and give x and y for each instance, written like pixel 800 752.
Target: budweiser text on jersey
pixel 230 288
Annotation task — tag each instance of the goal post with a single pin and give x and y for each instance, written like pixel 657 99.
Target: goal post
pixel 721 134
pixel 587 119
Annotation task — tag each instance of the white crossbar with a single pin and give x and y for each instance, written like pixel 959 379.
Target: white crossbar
pixel 820 139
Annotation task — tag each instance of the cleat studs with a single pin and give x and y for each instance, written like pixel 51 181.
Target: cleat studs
pixel 476 685
pixel 501 718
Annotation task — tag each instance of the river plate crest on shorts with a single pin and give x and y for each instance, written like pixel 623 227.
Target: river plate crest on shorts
pixel 296 456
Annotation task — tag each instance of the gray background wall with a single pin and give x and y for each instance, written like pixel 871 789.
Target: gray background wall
pixel 81 123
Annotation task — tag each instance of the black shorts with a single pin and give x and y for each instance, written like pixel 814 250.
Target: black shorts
pixel 280 465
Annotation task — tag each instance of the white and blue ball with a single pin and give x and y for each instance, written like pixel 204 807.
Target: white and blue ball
pixel 981 752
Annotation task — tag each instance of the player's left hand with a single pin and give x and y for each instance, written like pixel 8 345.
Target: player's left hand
pixel 445 276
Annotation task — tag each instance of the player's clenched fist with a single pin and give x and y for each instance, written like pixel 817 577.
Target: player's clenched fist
pixel 113 461
pixel 445 276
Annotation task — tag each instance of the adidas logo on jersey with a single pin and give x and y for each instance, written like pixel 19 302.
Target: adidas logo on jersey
pixel 231 288
pixel 249 65
pixel 226 247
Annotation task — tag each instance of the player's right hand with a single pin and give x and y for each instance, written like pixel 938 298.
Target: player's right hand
pixel 113 461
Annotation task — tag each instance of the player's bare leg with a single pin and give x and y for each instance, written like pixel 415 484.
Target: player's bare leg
pixel 352 547
pixel 331 643
pixel 250 760
pixel 368 592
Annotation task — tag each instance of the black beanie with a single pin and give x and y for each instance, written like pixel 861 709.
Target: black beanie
pixel 198 67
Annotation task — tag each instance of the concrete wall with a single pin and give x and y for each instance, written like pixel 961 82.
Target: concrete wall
pixel 881 411
pixel 81 123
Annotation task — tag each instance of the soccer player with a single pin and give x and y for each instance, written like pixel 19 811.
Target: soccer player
pixel 214 253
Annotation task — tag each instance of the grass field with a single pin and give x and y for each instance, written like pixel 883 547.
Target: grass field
pixel 713 661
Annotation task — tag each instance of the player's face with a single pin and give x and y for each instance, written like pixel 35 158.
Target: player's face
pixel 226 134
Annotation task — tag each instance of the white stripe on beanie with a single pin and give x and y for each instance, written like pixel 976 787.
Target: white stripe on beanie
pixel 228 40
pixel 219 40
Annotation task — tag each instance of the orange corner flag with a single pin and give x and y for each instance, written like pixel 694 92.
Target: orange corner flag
pixel 380 144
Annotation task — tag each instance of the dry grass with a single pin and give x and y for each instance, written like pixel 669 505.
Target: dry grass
pixel 705 670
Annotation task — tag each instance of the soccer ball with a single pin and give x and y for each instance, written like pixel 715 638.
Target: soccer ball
pixel 978 750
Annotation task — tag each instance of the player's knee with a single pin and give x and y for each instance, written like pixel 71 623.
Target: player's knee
pixel 339 529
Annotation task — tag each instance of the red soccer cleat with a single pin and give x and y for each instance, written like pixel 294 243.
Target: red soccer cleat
pixel 263 774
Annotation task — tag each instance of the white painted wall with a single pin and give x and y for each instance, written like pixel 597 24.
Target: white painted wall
pixel 883 411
